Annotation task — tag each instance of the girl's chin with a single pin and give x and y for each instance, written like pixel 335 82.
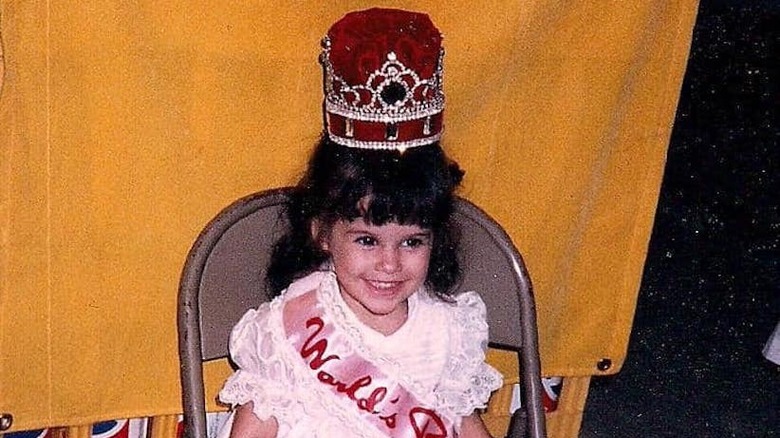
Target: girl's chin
pixel 380 306
pixel 383 308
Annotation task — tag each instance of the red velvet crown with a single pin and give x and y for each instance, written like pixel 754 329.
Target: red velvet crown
pixel 383 80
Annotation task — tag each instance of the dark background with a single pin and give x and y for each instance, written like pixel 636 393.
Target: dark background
pixel 710 297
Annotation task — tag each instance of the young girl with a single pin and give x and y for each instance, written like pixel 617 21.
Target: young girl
pixel 366 338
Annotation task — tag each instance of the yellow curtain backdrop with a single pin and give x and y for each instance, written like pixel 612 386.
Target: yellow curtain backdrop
pixel 126 126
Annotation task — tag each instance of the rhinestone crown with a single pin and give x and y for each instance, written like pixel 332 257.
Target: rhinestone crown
pixel 383 80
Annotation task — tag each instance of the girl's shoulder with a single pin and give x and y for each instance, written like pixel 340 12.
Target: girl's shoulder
pixel 300 297
pixel 463 320
pixel 466 380
pixel 303 285
pixel 466 305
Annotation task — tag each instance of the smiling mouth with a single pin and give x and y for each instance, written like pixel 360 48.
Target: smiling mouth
pixel 384 285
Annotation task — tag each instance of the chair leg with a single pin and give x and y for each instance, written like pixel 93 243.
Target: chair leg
pixel 518 425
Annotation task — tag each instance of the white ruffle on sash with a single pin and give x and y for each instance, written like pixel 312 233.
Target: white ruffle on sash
pixel 438 355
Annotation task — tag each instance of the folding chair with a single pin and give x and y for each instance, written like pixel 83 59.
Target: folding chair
pixel 224 275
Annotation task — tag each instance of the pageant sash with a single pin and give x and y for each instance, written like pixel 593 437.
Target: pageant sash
pixel 375 397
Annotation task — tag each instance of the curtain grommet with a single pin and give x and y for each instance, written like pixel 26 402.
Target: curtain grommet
pixel 6 420
pixel 604 364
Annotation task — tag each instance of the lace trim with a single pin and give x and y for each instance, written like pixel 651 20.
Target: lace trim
pixel 334 306
pixel 468 380
pixel 265 375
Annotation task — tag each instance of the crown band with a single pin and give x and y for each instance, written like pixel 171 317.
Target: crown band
pixel 385 145
pixel 384 135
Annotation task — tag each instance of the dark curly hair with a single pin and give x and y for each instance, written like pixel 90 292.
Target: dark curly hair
pixel 415 187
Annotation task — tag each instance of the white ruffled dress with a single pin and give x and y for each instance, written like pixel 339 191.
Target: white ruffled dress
pixel 438 355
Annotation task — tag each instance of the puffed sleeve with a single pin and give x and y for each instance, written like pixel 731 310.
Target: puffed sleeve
pixel 263 375
pixel 468 379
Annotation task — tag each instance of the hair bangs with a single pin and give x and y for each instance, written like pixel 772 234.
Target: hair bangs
pixel 401 207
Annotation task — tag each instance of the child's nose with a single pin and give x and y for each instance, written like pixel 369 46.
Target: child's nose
pixel 389 260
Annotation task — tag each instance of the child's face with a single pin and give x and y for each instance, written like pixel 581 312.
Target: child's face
pixel 378 267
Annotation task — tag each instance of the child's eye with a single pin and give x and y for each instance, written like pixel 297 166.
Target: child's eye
pixel 365 241
pixel 414 242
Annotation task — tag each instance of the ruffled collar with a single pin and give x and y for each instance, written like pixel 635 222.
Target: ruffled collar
pixel 334 304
